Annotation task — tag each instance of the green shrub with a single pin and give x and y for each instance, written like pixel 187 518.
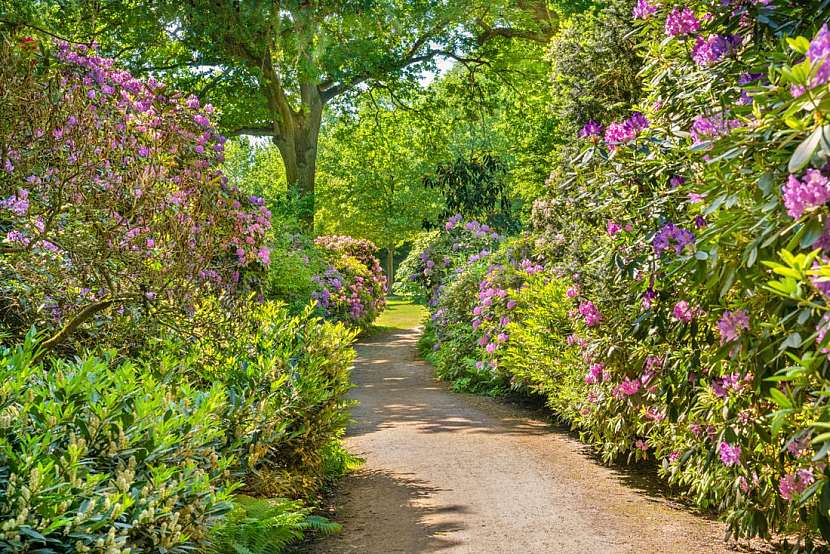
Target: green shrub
pixel 287 378
pixel 103 457
pixel 294 264
pixel 537 357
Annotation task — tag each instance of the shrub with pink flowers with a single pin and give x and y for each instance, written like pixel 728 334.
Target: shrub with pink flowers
pixel 142 384
pixel 111 206
pixel 352 288
pixel 682 307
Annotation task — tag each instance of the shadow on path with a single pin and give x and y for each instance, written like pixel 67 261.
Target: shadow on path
pixel 450 472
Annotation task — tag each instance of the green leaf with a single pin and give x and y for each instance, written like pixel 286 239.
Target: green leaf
pixel 805 151
pixel 779 398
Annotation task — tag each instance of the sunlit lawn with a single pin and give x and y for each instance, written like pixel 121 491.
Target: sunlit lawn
pixel 400 313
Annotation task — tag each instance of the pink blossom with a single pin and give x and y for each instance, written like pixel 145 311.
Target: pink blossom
pixel 731 324
pixel 730 455
pixel 683 312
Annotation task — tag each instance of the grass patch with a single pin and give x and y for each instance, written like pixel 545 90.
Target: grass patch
pixel 400 313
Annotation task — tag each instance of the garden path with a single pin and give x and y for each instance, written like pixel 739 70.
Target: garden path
pixel 461 473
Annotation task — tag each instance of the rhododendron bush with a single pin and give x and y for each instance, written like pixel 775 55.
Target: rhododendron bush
pixel 171 387
pixel 694 234
pixel 110 200
pixel 352 288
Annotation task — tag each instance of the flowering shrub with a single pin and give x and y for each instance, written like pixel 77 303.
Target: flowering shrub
pixel 686 349
pixel 437 255
pixel 692 352
pixel 110 203
pixel 114 218
pixel 352 288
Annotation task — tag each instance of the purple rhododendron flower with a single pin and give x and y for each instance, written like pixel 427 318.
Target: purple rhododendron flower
pixel 683 312
pixel 730 455
pixel 708 51
pixel 819 56
pixel 709 128
pixel 591 129
pixel 638 122
pixel 671 233
pixel 18 203
pixel 619 133
pixel 731 324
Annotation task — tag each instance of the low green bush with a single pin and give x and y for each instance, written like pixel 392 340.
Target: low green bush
pixel 143 455
pixel 102 457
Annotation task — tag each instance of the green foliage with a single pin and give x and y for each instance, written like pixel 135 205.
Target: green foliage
pixel 295 262
pixel 474 188
pixel 95 454
pixel 257 526
pixel 538 357
pixel 145 454
pixel 370 171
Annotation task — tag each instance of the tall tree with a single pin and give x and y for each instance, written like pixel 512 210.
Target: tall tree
pixel 274 65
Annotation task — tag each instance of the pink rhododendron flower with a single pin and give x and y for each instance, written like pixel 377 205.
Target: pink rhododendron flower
pixel 811 191
pixel 683 312
pixel 681 22
pixel 730 455
pixel 643 10
pixel 590 313
pixel 793 484
pixel 731 324
pixel 628 387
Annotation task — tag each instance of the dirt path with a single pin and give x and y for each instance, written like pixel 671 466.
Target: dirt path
pixel 459 473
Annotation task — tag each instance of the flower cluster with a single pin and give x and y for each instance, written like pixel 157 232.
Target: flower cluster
pixel 592 129
pixel 811 191
pixel 819 56
pixel 643 9
pixel 707 128
pixel 710 50
pixel 670 235
pixel 731 324
pixel 627 131
pixel 681 22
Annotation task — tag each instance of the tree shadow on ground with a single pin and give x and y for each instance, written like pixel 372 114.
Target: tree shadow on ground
pixel 379 507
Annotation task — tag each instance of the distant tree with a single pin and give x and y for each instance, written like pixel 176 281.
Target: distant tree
pixel 370 179
pixel 474 186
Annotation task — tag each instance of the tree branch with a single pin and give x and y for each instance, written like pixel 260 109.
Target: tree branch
pixel 254 131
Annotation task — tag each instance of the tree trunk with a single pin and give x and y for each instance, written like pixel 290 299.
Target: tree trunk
pixel 390 267
pixel 299 156
pixel 296 135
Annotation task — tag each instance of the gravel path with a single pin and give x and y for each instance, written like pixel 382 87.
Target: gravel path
pixel 450 472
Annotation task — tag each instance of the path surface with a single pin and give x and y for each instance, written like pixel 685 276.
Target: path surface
pixel 449 472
